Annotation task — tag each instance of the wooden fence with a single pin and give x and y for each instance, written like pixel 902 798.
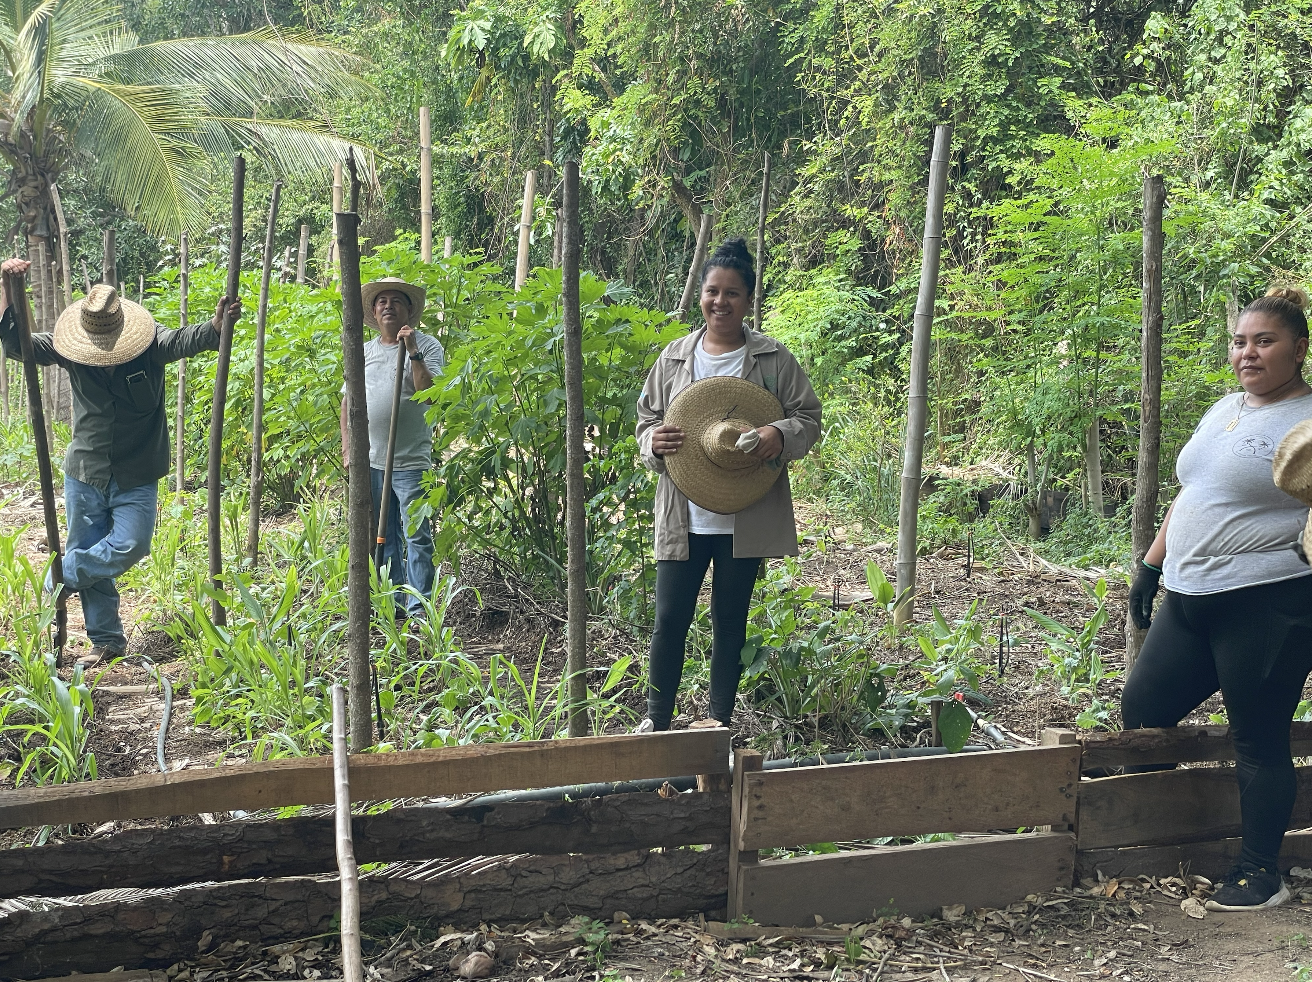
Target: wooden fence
pixel 1021 822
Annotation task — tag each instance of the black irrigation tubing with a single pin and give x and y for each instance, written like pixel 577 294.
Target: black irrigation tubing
pixel 689 782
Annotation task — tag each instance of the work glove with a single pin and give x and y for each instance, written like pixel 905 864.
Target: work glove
pixel 1142 592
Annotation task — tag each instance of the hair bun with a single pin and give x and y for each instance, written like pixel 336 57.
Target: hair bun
pixel 733 249
pixel 1290 294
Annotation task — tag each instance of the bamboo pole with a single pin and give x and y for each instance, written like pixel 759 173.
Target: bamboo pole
pixel 449 247
pixel 695 267
pixel 425 186
pixel 758 299
pixel 575 454
pixel 285 274
pixel 525 228
pixel 347 870
pixel 214 490
pixel 1147 479
pixel 180 413
pixel 16 292
pixel 1093 467
pixel 257 423
pixel 109 261
pixel 301 250
pixel 337 207
pixel 359 493
pixel 918 396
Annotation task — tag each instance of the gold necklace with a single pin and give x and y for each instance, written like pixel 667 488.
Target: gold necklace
pixel 1243 404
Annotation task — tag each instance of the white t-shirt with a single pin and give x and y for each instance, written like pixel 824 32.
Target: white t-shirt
pixel 704 365
pixel 414 437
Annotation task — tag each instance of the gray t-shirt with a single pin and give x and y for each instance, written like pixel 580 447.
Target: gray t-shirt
pixel 1232 527
pixel 414 437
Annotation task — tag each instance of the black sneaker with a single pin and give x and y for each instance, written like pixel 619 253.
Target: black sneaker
pixel 1249 888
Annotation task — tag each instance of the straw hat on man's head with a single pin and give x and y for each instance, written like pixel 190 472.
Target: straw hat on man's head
pixel 709 468
pixel 369 293
pixel 103 329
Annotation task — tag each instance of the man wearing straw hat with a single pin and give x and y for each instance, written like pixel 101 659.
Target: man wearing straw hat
pixel 393 307
pixel 114 354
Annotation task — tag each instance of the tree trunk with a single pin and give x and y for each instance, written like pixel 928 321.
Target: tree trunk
pixel 525 228
pixel 333 248
pixel 214 490
pixel 359 495
pixel 575 456
pixel 448 247
pixel 425 186
pixel 918 393
pixel 1143 523
pixel 180 414
pixel 302 249
pixel 695 267
pixel 758 297
pixel 1093 467
pixel 109 261
pixel 257 423
pixel 158 930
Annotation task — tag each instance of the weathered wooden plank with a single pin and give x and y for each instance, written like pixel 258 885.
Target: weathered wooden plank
pixel 975 792
pixel 911 880
pixel 155 931
pixel 1173 745
pixel 304 845
pixel 1211 859
pixel 374 777
pixel 1163 807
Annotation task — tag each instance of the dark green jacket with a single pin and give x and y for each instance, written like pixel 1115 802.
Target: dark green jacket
pixel 120 427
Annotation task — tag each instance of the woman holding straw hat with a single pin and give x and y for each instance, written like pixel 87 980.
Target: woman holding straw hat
pixel 722 412
pixel 115 355
pixel 1237 615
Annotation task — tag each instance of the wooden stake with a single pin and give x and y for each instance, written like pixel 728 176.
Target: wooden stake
pixel 575 456
pixel 4 387
pixel 347 870
pixel 758 298
pixel 108 262
pixel 448 247
pixel 86 276
pixel 301 251
pixel 1143 517
pixel 695 268
pixel 525 228
pixel 425 186
pixel 359 493
pixel 141 289
pixel 214 491
pixel 918 395
pixel 337 207
pixel 16 292
pixel 63 244
pixel 285 274
pixel 180 414
pixel 257 423
pixel 1093 467
pixel 41 268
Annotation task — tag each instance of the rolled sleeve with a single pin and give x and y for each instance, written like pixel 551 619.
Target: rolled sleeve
pixel 651 413
pixel 43 345
pixel 802 412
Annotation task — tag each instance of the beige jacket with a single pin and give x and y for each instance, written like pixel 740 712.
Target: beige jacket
pixel 766 528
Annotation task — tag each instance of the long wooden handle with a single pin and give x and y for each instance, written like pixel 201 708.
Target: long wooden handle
pixel 385 499
pixel 16 290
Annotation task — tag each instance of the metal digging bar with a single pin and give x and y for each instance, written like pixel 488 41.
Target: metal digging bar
pixel 16 289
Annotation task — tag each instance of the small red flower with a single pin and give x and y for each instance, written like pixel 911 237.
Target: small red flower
pixel 960 697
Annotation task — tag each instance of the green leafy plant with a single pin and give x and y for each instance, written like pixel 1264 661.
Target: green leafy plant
pixel 1073 658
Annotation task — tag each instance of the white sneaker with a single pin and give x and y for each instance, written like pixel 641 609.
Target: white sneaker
pixel 646 726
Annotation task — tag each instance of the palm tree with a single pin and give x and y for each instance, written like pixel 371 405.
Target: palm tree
pixel 151 121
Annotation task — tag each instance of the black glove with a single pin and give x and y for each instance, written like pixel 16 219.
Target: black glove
pixel 1142 592
pixel 1300 547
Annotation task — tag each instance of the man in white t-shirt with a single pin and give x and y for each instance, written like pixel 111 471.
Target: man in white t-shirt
pixel 394 306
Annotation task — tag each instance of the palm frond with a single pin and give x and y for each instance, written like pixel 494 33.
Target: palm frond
pixel 143 142
pixel 246 73
pixel 288 146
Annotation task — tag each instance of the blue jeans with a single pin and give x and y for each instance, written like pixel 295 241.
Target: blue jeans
pixel 412 547
pixel 108 532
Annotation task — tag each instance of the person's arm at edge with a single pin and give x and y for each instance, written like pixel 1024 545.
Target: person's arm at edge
pixel 1156 554
pixel 43 345
pixel 174 345
pixel 651 413
pixel 800 426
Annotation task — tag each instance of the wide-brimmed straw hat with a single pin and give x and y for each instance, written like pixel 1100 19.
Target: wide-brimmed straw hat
pixel 1292 467
pixel 709 468
pixel 103 329
pixel 415 294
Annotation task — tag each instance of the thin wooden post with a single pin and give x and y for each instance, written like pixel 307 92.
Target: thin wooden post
pixel 575 456
pixel 744 762
pixel 141 289
pixel 42 322
pixel 525 228
pixel 16 292
pixel 62 383
pixel 337 207
pixel 4 387
pixel 758 298
pixel 918 396
pixel 425 186
pixel 1143 517
pixel 359 493
pixel 448 247
pixel 180 413
pixel 108 261
pixel 257 423
pixel 1093 467
pixel 695 267
pixel 301 250
pixel 347 870
pixel 285 274
pixel 63 244
pixel 214 491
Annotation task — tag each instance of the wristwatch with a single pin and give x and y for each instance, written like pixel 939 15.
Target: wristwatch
pixel 417 356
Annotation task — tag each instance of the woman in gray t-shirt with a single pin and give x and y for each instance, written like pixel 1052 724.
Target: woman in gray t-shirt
pixel 1237 615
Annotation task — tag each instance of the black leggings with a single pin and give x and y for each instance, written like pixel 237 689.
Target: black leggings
pixel 1255 645
pixel 678 581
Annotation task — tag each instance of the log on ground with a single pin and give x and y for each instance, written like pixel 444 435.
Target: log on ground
pixel 156 930
pixel 304 845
